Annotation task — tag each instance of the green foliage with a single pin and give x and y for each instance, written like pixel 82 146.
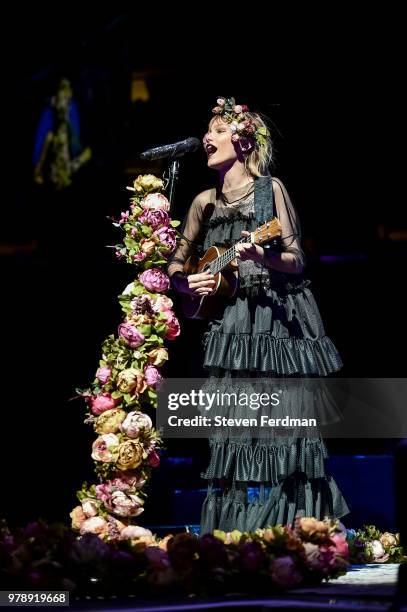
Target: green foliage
pixel 118 356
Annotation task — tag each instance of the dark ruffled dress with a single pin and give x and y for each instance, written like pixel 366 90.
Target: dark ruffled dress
pixel 270 329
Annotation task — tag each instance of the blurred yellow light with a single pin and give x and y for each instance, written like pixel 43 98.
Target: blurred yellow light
pixel 139 90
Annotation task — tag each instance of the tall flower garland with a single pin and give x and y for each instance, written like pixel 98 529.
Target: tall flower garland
pixel 126 382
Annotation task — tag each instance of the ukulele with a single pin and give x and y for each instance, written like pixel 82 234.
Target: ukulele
pixel 222 262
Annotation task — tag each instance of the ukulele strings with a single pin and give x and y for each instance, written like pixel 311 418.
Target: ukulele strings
pixel 226 257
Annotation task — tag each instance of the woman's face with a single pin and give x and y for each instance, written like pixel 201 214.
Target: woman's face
pixel 218 145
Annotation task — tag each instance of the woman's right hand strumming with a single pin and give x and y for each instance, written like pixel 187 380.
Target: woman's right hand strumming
pixel 200 284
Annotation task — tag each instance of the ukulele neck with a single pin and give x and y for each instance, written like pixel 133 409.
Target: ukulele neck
pixel 267 232
pixel 223 260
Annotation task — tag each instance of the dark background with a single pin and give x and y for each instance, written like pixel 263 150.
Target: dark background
pixel 334 131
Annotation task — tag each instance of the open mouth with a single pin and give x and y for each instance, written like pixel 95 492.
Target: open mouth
pixel 210 150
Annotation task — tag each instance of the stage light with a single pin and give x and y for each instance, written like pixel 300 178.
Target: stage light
pixel 139 88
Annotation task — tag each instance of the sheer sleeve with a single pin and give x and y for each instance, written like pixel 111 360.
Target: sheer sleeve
pixel 189 231
pixel 291 231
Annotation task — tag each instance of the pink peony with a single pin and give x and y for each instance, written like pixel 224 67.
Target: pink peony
pixel 235 137
pixel 139 256
pixel 103 492
pixel 89 508
pixel 173 326
pixel 131 335
pixel 153 459
pixel 237 109
pixel 125 505
pixel 221 101
pixel 378 552
pixel 101 403
pixel 341 544
pixel 314 558
pixel 168 237
pixel 284 572
pixel 155 201
pixel 155 218
pixel 103 374
pixel 134 531
pixel 155 280
pixel 128 481
pixel 335 555
pixel 161 303
pixel 96 525
pixel 105 448
pixel 152 376
pixel 134 422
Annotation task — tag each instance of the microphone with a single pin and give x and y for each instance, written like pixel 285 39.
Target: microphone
pixel 172 150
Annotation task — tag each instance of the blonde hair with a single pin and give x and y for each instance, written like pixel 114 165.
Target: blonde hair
pixel 259 158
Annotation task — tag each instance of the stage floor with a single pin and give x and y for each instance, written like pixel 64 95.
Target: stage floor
pixel 365 587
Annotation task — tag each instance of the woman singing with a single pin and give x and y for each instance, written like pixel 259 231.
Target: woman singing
pixel 270 329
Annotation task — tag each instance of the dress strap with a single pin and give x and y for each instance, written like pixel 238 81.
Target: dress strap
pixel 264 198
pixel 273 204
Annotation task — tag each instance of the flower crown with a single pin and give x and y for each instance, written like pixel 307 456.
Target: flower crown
pixel 242 125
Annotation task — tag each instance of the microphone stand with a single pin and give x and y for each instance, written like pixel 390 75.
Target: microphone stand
pixel 172 173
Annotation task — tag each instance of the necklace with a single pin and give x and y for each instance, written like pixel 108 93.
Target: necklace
pixel 249 192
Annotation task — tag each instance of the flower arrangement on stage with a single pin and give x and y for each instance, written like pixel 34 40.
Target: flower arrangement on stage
pixel 369 545
pixel 265 561
pixel 126 382
pixel 52 557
